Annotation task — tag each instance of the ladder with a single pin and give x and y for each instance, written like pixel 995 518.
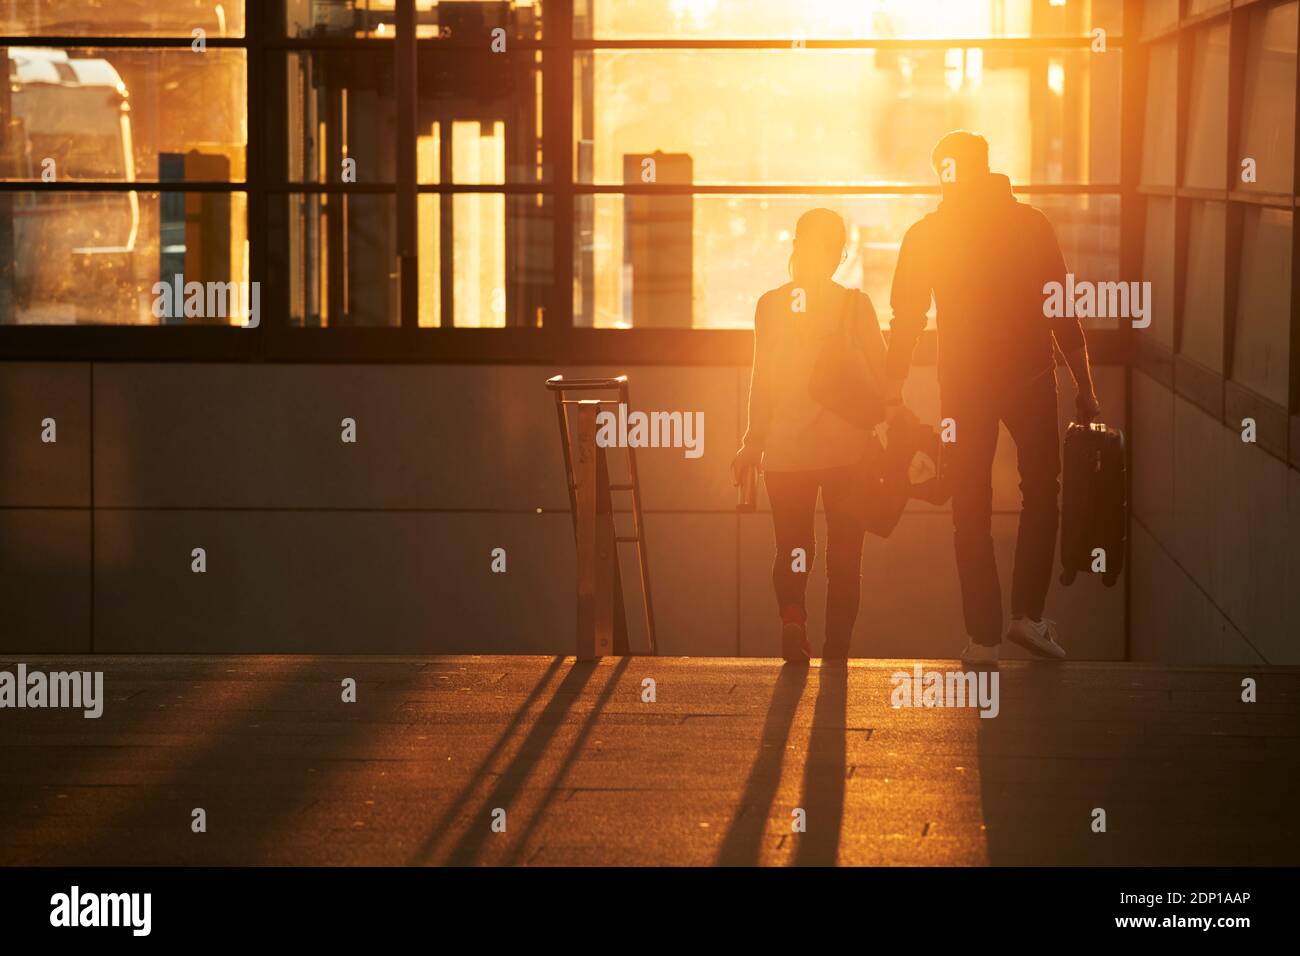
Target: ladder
pixel 602 611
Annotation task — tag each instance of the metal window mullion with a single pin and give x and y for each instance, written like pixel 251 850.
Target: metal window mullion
pixel 408 105
pixel 557 149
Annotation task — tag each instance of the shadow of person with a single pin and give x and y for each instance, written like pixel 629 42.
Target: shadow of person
pixel 1040 776
pixel 824 771
pixel 742 844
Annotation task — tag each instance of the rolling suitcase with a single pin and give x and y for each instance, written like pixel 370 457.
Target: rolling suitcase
pixel 1094 503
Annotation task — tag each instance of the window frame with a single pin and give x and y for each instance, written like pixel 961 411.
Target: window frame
pixel 1211 390
pixel 557 341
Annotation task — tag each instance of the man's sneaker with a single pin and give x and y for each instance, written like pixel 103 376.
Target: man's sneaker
pixel 1037 637
pixel 794 643
pixel 979 655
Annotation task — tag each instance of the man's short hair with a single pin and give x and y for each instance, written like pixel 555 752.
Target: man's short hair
pixel 969 151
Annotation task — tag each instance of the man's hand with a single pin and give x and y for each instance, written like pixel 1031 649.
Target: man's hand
pixel 899 414
pixel 745 458
pixel 1086 407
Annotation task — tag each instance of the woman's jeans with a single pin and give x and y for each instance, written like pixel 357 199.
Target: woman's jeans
pixel 793 495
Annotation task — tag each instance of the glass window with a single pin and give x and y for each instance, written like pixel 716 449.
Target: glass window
pixel 479 117
pixel 1268 105
pixel 377 20
pixel 97 257
pixel 341 108
pixel 1158 15
pixel 121 18
pixel 1158 268
pixel 1207 123
pixel 497 250
pixel 121 115
pixel 702 261
pixel 492 107
pixel 839 19
pixel 1160 128
pixel 342 260
pixel 847 116
pixel 1202 331
pixel 1261 355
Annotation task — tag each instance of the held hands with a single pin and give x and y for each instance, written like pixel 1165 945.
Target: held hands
pixel 1086 407
pixel 899 414
pixel 896 412
pixel 745 458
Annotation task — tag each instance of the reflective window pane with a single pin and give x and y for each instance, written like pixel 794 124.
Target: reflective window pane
pixel 121 115
pixel 1160 127
pixel 376 19
pixel 847 116
pixel 1158 268
pixel 1261 356
pixel 1268 106
pixel 496 250
pixel 1207 122
pixel 342 117
pixel 491 105
pixel 342 260
pixel 1202 329
pixel 1158 15
pixel 121 18
pixel 702 261
pixel 82 257
pixel 839 19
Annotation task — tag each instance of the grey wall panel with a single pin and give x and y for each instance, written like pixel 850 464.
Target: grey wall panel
pixel 1255 546
pixel 1217 519
pixel 1200 488
pixel 35 474
pixel 324 582
pixel 1290 650
pixel 45 570
pixel 693 581
pixel 1152 443
pixel 1173 620
pixel 213 436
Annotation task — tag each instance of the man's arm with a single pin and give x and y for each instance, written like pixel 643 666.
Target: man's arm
pixel 1086 406
pixel 1069 333
pixel 910 300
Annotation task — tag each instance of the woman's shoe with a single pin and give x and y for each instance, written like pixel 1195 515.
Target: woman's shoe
pixel 979 655
pixel 794 643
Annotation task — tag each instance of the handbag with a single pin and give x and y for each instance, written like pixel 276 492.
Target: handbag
pixel 841 380
pixel 884 482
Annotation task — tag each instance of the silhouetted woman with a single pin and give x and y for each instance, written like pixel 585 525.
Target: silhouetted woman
pixel 800 445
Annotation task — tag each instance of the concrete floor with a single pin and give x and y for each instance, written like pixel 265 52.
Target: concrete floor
pixel 588 773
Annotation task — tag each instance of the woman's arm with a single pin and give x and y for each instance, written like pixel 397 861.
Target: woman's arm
pixel 870 337
pixel 760 386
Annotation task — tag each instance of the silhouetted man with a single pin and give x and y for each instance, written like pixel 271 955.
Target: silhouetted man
pixel 985 258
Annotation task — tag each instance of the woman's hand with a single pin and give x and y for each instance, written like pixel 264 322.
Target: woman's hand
pixel 899 414
pixel 745 458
